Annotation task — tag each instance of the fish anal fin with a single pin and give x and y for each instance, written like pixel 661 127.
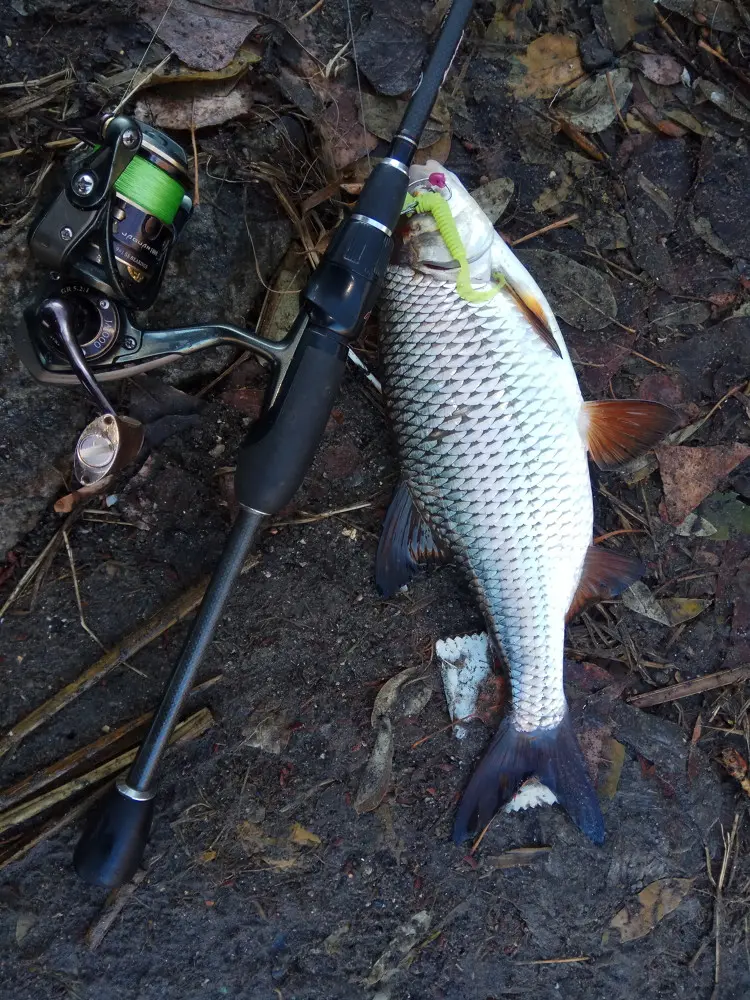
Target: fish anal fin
pixel 553 755
pixel 532 309
pixel 620 429
pixel 605 575
pixel 405 542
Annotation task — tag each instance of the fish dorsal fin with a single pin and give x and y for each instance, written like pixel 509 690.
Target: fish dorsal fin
pixel 405 542
pixel 605 574
pixel 532 309
pixel 620 429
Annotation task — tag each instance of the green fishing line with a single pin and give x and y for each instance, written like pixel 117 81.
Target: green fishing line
pixel 438 207
pixel 151 188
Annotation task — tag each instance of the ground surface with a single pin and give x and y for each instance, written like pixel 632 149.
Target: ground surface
pixel 237 900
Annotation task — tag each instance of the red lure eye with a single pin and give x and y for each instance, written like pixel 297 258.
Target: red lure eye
pixel 437 180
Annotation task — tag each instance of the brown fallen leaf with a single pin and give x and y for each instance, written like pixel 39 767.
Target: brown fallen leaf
pixel 377 776
pixel 406 694
pixel 661 69
pixel 590 107
pixel 201 104
pixel 682 609
pixel 299 835
pixel 690 474
pixel 639 916
pixel 201 35
pixel 549 63
pixel 626 19
pixel 608 784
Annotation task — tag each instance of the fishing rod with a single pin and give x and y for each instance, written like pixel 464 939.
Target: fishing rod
pixel 107 237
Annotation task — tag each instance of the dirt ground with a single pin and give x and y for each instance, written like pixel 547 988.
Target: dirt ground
pixel 261 880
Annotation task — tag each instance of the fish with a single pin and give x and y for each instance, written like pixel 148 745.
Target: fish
pixel 494 440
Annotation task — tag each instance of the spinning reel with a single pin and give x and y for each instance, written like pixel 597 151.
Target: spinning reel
pixel 106 238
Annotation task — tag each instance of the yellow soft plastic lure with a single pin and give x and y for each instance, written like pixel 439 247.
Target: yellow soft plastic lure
pixel 438 207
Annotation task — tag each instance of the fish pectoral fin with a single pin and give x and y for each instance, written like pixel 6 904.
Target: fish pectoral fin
pixel 605 575
pixel 552 755
pixel 405 542
pixel 532 309
pixel 620 429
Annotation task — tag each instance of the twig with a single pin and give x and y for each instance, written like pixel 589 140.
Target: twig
pixel 313 518
pixel 85 755
pixel 114 904
pixel 315 7
pixel 54 826
pixel 196 186
pixel 60 74
pixel 613 95
pixel 31 572
pixel 54 144
pixel 76 588
pixel 619 531
pixel 557 961
pixel 698 685
pixel 546 229
pixel 723 59
pixel 194 726
pixel 168 616
pixel 480 838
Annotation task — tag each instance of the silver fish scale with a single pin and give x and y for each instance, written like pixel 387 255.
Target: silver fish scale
pixel 486 419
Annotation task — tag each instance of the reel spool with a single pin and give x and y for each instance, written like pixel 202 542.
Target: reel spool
pixel 106 238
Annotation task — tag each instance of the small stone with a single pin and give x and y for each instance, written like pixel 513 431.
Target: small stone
pixel 594 55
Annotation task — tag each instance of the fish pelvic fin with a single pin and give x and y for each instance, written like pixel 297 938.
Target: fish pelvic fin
pixel 405 542
pixel 605 575
pixel 552 755
pixel 617 430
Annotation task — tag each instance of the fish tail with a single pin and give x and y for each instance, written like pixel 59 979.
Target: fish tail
pixel 552 755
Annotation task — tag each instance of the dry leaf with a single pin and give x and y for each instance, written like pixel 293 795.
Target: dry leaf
pixel 550 62
pixel 590 107
pixel 639 917
pixel 382 116
pixel 493 197
pixel 516 857
pixel 682 609
pixel 24 923
pixel 247 56
pixel 253 837
pixel 721 15
pixel 640 599
pixel 332 944
pixel 661 69
pixel 299 835
pixel 690 474
pixel 202 104
pixel 406 937
pixel 340 125
pixel 377 776
pixel 577 294
pixel 731 104
pixel 267 729
pixel 207 856
pixel 403 695
pixel 627 18
pixel 202 36
pixel 607 785
pixel 281 864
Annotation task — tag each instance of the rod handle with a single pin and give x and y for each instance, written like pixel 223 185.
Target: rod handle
pixel 111 847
